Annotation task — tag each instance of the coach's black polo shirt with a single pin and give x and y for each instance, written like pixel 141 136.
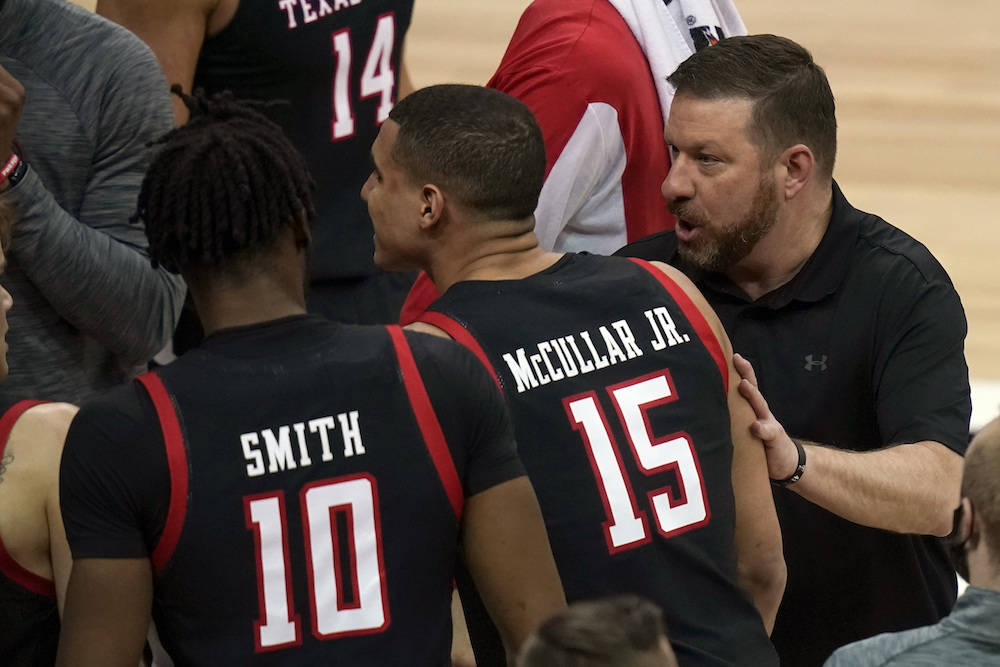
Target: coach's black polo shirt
pixel 863 348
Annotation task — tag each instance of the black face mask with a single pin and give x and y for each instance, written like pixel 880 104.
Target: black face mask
pixel 957 544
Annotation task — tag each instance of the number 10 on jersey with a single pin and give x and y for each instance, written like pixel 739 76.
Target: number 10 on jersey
pixel 333 615
pixel 627 527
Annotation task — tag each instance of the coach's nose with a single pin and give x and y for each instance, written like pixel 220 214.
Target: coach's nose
pixel 678 183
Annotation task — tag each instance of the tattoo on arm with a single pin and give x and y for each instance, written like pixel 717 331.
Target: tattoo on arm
pixel 4 462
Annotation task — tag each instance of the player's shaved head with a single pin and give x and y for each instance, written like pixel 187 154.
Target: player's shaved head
pixel 981 482
pixel 479 145
pixel 623 631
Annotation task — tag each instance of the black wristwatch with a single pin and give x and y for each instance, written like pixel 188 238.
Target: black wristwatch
pixel 799 469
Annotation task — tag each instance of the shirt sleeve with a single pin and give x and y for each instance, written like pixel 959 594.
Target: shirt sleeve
pixel 90 262
pixel 114 483
pixel 471 411
pixel 572 130
pixel 921 376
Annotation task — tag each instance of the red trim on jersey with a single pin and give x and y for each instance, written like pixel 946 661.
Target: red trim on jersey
pixel 461 335
pixel 337 565
pixel 173 443
pixel 695 317
pixel 423 293
pixel 255 529
pixel 8 566
pixel 639 514
pixel 437 446
pixel 673 466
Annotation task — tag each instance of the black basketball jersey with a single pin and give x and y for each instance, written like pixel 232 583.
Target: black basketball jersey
pixel 314 508
pixel 29 619
pixel 336 63
pixel 617 389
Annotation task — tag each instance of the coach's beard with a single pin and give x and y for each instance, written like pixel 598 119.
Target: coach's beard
pixel 719 250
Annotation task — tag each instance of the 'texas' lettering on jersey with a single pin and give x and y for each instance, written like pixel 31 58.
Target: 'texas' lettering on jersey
pixel 581 353
pixel 312 10
pixel 275 444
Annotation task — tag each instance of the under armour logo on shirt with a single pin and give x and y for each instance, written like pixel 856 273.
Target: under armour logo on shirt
pixel 812 363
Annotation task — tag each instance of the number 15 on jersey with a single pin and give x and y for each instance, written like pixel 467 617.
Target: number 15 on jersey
pixel 627 526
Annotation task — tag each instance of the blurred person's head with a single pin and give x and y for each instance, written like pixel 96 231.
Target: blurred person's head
pixel 624 631
pixel 976 537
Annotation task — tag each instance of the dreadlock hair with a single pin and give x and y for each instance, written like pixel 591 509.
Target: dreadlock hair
pixel 222 187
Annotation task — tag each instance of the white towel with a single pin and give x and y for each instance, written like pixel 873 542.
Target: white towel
pixel 670 30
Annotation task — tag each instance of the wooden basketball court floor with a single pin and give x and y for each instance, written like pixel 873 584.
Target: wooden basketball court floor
pixel 917 84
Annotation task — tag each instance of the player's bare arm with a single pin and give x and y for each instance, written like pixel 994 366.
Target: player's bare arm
pixel 506 550
pixel 107 614
pixel 174 30
pixel 30 521
pixel 907 488
pixel 42 430
pixel 758 536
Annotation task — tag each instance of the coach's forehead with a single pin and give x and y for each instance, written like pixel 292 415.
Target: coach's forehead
pixel 696 120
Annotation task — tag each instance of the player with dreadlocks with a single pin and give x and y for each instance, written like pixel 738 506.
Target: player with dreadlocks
pixel 258 496
pixel 194 218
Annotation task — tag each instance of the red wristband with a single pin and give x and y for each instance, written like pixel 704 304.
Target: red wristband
pixel 9 166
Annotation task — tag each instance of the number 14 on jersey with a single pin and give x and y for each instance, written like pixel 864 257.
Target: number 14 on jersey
pixel 377 77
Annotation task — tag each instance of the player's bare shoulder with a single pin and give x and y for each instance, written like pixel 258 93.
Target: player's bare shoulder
pixel 698 299
pixel 40 432
pixel 423 327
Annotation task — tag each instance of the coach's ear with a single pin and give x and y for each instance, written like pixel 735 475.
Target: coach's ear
pixel 433 202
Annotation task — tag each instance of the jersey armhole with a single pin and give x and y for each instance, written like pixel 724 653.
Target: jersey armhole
pixel 173 443
pixel 461 335
pixel 8 566
pixel 694 316
pixel 427 421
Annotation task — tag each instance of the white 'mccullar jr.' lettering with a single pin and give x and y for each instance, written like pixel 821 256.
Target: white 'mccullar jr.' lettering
pixel 581 353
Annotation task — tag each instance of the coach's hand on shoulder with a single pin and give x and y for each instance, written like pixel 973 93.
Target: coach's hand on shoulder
pixel 11 103
pixel 782 454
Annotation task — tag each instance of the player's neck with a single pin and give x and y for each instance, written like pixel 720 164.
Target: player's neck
pixel 984 569
pixel 239 307
pixel 492 257
pixel 250 297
